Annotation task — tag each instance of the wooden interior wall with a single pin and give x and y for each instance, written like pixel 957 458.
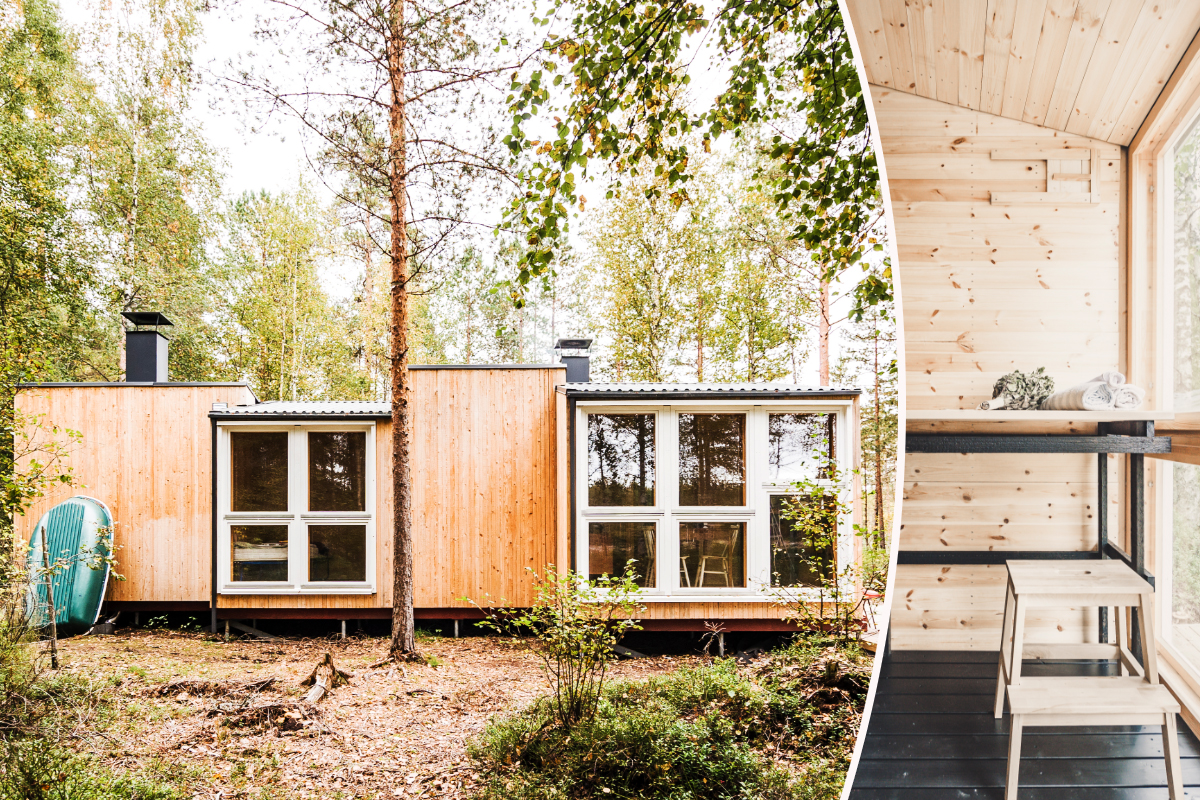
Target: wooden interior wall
pixel 146 453
pixel 1088 67
pixel 987 289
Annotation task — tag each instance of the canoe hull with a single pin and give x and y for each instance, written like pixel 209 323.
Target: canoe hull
pixel 79 534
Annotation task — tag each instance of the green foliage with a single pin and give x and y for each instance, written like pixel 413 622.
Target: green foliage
pixel 821 507
pixel 40 769
pixel 573 625
pixel 616 81
pixel 715 731
pixel 280 330
pixel 1024 390
pixel 709 290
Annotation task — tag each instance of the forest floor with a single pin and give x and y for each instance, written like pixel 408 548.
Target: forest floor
pixel 391 733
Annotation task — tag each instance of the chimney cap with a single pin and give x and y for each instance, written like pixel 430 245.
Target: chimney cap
pixel 155 318
pixel 573 344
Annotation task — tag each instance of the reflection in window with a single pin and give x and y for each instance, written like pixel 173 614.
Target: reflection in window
pixel 612 544
pixel 712 554
pixel 260 552
pixel 712 459
pixel 796 561
pixel 620 459
pixel 1184 621
pixel 337 471
pixel 1186 226
pixel 337 552
pixel 259 470
pixel 800 446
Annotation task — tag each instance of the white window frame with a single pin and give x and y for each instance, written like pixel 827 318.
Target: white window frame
pixel 667 513
pixel 297 517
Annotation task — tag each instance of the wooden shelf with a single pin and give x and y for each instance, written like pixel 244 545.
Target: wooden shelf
pixel 975 415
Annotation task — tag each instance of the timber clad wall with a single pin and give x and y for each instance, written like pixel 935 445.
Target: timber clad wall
pixel 987 289
pixel 484 492
pixel 485 486
pixel 146 453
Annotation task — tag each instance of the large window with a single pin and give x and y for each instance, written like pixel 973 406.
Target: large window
pixel 297 509
pixel 1185 233
pixel 689 499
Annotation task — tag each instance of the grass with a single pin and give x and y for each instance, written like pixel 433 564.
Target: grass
pixel 780 730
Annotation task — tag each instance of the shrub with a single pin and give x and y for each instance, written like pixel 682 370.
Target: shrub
pixel 783 729
pixel 573 626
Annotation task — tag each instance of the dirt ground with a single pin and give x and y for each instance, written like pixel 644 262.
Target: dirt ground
pixel 391 732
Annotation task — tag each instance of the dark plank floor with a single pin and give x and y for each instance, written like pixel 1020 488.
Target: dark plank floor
pixel 932 736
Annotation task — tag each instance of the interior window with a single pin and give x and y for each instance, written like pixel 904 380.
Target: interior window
pixel 259 470
pixel 611 546
pixel 1186 289
pixel 800 447
pixel 337 469
pixel 712 459
pixel 796 559
pixel 337 552
pixel 712 554
pixel 620 459
pixel 260 552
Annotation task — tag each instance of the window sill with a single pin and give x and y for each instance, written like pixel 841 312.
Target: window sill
pixel 291 589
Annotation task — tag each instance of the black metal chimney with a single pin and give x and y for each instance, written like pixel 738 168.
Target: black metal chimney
pixel 578 363
pixel 145 350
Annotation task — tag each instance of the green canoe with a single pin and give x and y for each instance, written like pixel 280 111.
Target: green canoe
pixel 78 533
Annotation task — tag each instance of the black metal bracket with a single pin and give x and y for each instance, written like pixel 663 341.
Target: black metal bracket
pixel 1134 439
pixel 976 443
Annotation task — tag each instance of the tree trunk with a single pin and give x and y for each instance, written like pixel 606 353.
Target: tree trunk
pixel 403 643
pixel 878 447
pixel 823 334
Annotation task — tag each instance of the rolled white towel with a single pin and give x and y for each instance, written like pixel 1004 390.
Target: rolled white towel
pixel 1090 396
pixel 1112 378
pixel 1128 397
pixel 994 404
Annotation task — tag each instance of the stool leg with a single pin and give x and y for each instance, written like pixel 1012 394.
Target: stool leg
pixel 1018 641
pixel 1146 631
pixel 1171 751
pixel 1005 637
pixel 1122 630
pixel 1014 758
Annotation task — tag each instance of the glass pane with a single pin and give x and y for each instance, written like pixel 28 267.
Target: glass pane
pixel 260 470
pixel 801 446
pixel 1184 623
pixel 795 560
pixel 337 471
pixel 260 552
pixel 337 552
pixel 712 554
pixel 1187 271
pixel 620 459
pixel 712 459
pixel 612 544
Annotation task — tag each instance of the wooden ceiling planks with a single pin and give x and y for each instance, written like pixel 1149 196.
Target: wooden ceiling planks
pixel 1089 67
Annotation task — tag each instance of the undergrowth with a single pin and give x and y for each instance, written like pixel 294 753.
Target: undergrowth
pixel 778 729
pixel 43 712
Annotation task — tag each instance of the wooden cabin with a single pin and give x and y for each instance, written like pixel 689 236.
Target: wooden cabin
pixel 1039 159
pixel 260 510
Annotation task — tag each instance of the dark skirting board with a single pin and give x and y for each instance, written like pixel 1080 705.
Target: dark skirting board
pixel 932 736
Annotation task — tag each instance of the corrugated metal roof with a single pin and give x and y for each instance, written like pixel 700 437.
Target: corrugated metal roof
pixel 708 389
pixel 285 408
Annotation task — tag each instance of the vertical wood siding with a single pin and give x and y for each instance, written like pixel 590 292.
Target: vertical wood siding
pixel 146 453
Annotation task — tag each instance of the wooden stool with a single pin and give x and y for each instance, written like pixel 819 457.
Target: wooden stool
pixel 1133 699
pixel 1093 701
pixel 1059 584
